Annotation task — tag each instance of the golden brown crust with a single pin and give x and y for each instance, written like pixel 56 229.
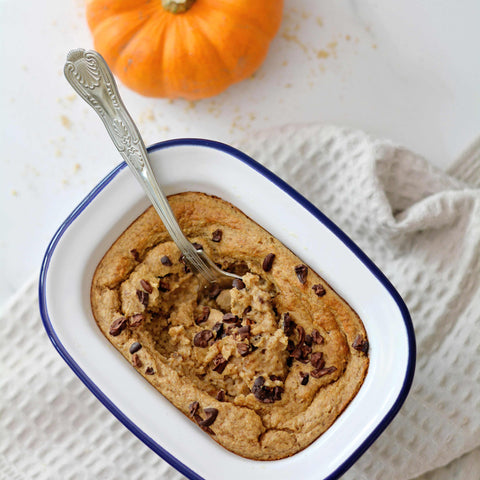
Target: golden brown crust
pixel 269 378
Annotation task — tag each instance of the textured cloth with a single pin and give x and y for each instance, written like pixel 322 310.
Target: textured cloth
pixel 421 226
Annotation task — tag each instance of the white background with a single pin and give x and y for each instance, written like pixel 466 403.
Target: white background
pixel 408 70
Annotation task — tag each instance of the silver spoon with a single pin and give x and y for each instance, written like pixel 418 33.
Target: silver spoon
pixel 89 75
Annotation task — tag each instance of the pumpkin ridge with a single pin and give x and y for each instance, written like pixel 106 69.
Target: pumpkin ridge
pixel 214 47
pixel 136 34
pixel 205 26
pixel 124 48
pixel 153 24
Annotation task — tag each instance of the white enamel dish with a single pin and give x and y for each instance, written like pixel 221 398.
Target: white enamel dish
pixel 214 168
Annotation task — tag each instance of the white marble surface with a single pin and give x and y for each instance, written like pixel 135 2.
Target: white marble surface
pixel 406 70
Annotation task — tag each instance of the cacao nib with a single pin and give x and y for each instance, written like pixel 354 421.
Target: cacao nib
pixel 360 344
pixel 136 362
pixel 143 297
pixel 266 394
pixel 304 378
pixel 238 284
pixel 322 372
pixel 243 332
pixel 202 339
pixel 317 338
pixel 203 317
pixel 243 349
pixel 219 363
pixel 136 320
pixel 268 262
pixel 118 326
pixel 288 324
pixel 146 285
pixel 317 360
pixel 166 261
pixel 301 272
pixel 134 347
pixel 217 235
pixel 319 290
pixel 210 417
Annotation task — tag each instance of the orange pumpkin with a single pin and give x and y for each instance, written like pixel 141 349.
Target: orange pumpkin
pixel 183 48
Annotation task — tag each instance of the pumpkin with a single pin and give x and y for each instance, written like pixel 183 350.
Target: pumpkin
pixel 183 48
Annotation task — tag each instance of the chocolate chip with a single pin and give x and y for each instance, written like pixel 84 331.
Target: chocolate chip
pixel 197 246
pixel 301 351
pixel 301 271
pixel 230 318
pixel 238 284
pixel 202 339
pixel 210 417
pixel 118 326
pixel 360 344
pixel 136 362
pixel 288 324
pixel 149 371
pixel 301 333
pixel 289 361
pixel 217 235
pixel 146 286
pixel 319 290
pixel 308 340
pixel 306 351
pixel 214 290
pixel 296 354
pixel 135 254
pixel 304 378
pixel 220 396
pixel 317 338
pixel 290 346
pixel 247 310
pixel 317 360
pixel 274 378
pixel 135 347
pixel 193 408
pixel 277 393
pixel 219 363
pixel 243 349
pixel 218 329
pixel 166 261
pixel 163 286
pixel 143 297
pixel 203 317
pixel 244 332
pixel 268 262
pixel 322 372
pixel 258 383
pixel 266 394
pixel 136 320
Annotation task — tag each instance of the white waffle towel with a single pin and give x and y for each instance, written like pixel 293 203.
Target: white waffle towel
pixel 421 226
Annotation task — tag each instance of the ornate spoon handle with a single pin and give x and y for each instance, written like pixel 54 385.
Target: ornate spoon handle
pixel 90 76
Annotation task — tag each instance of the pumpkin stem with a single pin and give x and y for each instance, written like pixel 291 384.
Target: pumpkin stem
pixel 177 6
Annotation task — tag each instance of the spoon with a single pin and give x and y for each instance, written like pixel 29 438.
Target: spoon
pixel 90 76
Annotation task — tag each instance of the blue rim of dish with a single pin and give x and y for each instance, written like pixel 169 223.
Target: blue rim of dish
pixel 173 461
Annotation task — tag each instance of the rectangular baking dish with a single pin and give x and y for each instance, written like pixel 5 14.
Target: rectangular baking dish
pixel 218 169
